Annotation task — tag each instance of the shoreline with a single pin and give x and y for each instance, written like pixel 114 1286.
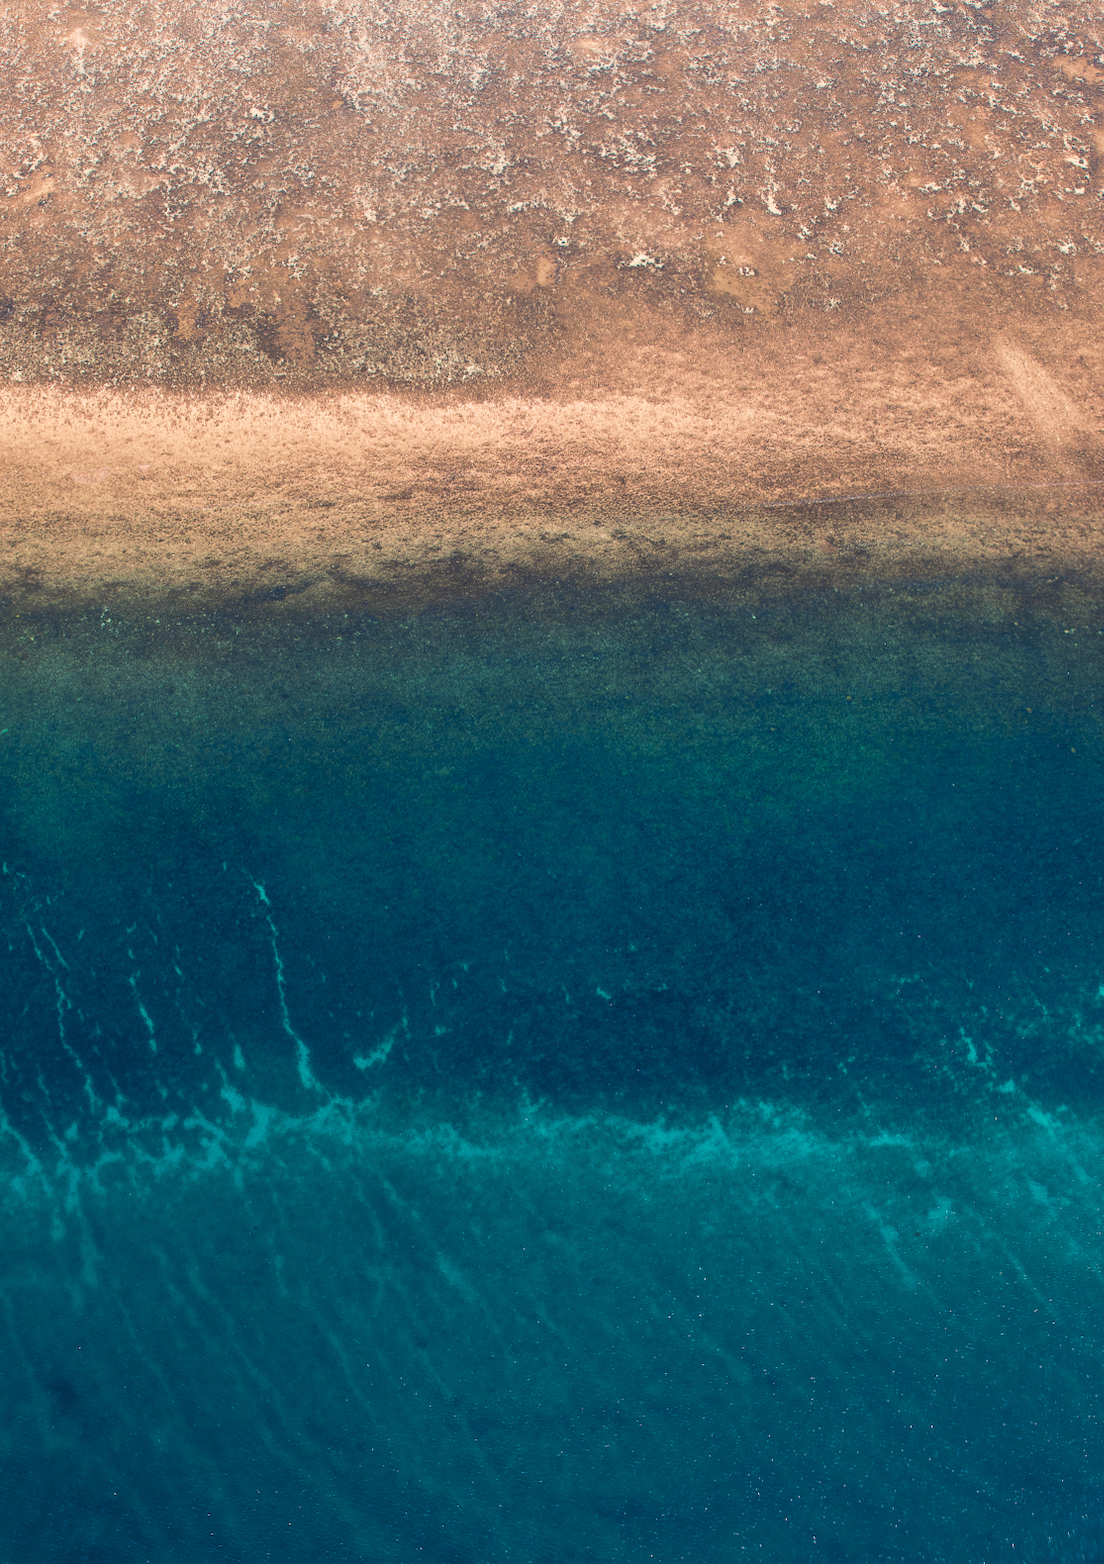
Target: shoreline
pixel 810 281
pixel 1019 538
pixel 812 457
pixel 980 561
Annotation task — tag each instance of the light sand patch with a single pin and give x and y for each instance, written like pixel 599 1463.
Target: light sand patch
pixel 1051 411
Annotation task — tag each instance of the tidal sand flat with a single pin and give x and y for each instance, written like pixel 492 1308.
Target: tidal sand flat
pixel 551 812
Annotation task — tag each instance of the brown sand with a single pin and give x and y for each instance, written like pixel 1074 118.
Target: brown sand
pixel 324 295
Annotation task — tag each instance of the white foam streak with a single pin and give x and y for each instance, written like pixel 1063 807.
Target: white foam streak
pixel 63 1004
pixel 144 1013
pixel 302 1052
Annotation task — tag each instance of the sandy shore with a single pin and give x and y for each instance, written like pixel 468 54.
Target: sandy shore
pixel 357 295
pixel 826 443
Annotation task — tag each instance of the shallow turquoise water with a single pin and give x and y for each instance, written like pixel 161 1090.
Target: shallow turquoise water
pixel 572 1076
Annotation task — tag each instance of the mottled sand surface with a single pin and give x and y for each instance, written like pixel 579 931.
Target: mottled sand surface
pixel 328 293
pixel 823 455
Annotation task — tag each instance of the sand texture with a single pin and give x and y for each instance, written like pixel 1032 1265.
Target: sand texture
pixel 342 291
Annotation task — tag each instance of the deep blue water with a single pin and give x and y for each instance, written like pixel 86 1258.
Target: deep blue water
pixel 584 1075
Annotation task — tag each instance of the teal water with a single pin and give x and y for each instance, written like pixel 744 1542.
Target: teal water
pixel 572 1075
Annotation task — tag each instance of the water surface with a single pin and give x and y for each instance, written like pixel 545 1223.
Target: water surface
pixel 585 1074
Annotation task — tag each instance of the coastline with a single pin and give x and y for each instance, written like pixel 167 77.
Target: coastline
pixel 302 300
pixel 815 449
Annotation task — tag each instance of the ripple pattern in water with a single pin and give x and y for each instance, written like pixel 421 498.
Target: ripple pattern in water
pixel 560 1080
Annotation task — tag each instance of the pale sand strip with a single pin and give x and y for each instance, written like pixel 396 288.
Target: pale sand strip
pixel 692 464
